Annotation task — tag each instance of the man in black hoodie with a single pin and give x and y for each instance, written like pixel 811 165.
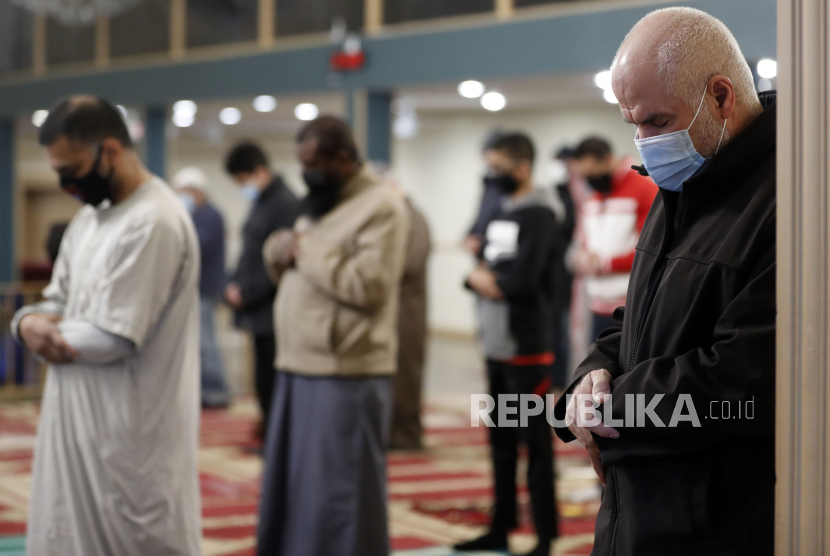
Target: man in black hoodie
pixel 694 473
pixel 250 292
pixel 514 287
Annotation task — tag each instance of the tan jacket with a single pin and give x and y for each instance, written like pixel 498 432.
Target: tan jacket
pixel 336 309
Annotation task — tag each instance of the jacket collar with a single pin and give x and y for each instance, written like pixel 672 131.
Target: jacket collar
pixel 362 180
pixel 752 144
pixel 271 188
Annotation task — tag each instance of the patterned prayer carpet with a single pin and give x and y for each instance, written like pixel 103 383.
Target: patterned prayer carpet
pixel 438 496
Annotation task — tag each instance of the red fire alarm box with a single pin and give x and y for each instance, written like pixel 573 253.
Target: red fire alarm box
pixel 342 61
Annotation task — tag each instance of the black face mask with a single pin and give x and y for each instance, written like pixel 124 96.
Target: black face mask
pixel 92 188
pixel 505 183
pixel 323 192
pixel 600 184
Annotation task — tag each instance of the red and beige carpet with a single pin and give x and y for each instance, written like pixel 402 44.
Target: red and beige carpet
pixel 437 497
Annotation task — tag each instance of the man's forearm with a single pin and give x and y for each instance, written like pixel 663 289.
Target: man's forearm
pixel 47 306
pixel 94 346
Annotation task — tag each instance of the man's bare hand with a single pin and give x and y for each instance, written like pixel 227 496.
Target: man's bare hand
pixel 472 243
pixel 586 263
pixel 285 248
pixel 41 335
pixel 597 385
pixel 483 281
pixel 233 295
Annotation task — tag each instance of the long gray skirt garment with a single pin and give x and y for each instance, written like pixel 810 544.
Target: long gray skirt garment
pixel 324 483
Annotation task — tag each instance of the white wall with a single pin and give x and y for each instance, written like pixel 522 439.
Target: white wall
pixel 222 191
pixel 441 170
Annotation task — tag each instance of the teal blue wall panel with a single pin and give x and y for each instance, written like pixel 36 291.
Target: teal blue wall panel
pixel 156 138
pixel 8 271
pixel 379 126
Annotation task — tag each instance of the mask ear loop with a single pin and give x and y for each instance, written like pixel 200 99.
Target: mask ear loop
pixel 722 131
pixel 698 109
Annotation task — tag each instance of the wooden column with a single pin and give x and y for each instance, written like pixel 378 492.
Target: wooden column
pixel 102 42
pixel 803 346
pixel 505 9
pixel 266 21
pixel 39 44
pixel 372 16
pixel 178 28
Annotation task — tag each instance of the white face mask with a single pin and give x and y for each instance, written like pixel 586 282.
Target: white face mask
pixel 557 172
pixel 189 201
pixel 250 190
pixel 671 159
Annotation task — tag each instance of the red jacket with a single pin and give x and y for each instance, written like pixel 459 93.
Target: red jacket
pixel 610 228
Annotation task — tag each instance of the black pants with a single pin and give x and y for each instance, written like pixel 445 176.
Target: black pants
pixel 265 350
pixel 510 379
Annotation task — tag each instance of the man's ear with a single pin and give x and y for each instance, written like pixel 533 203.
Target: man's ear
pixel 724 95
pixel 262 173
pixel 112 150
pixel 526 168
pixel 608 162
pixel 112 146
pixel 344 163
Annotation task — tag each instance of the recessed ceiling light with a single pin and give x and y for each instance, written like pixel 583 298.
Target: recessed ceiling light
pixel 767 68
pixel 185 107
pixel 183 119
pixel 493 101
pixel 603 79
pixel 230 115
pixel 39 117
pixel 265 103
pixel 471 89
pixel 306 111
pixel 608 95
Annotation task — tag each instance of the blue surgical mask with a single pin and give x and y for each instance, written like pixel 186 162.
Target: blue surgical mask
pixel 250 191
pixel 671 159
pixel 188 201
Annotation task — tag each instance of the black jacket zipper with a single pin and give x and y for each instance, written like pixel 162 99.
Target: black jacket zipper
pixel 654 279
pixel 616 513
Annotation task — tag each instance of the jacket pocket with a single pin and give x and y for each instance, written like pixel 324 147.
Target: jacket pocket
pixel 304 318
pixel 350 332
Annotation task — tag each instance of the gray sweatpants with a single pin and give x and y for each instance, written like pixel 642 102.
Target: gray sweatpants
pixel 324 484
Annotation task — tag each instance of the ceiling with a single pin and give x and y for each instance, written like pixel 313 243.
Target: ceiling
pixel 540 93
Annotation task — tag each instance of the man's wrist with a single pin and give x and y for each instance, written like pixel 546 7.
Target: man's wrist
pixel 18 328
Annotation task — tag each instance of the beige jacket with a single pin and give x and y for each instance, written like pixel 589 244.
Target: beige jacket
pixel 336 309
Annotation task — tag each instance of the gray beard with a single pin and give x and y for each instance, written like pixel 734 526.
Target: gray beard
pixel 710 135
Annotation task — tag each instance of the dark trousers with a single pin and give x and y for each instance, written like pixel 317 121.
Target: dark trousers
pixel 324 482
pixel 511 379
pixel 265 351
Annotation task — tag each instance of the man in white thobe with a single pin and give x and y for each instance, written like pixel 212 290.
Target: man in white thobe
pixel 115 461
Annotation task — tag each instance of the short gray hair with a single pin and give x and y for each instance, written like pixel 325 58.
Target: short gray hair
pixel 695 47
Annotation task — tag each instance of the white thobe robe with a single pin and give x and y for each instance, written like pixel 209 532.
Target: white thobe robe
pixel 115 461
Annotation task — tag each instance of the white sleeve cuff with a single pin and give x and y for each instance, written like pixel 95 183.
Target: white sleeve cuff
pixel 94 346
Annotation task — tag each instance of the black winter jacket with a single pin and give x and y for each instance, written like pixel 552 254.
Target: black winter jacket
pixel 699 320
pixel 523 258
pixel 275 208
